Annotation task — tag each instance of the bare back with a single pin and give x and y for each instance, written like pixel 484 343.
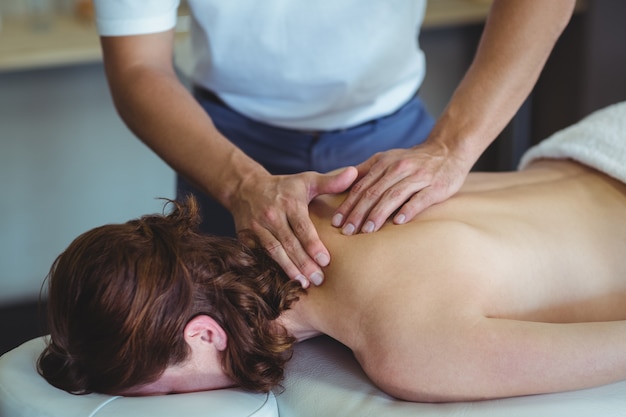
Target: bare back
pixel 542 245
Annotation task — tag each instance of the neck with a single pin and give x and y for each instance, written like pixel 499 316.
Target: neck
pixel 296 323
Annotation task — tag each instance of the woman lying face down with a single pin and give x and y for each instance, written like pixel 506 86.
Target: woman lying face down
pixel 152 307
pixel 515 286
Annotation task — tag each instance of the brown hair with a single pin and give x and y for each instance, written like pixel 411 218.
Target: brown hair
pixel 120 296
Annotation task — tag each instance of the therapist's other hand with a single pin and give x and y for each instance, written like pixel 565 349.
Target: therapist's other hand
pixel 276 209
pixel 400 181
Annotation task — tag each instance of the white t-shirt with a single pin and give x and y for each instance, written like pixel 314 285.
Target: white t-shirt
pixel 302 64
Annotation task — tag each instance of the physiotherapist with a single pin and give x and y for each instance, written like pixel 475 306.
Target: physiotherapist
pixel 286 90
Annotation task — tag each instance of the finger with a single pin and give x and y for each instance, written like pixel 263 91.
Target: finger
pixel 336 182
pixel 367 174
pixel 279 254
pixel 418 203
pixel 366 166
pixel 351 201
pixel 305 248
pixel 391 200
pixel 369 198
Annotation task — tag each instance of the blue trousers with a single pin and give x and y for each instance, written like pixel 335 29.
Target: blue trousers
pixel 286 151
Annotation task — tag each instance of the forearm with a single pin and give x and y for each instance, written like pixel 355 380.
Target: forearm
pixel 164 115
pixel 497 358
pixel 517 40
pixel 521 358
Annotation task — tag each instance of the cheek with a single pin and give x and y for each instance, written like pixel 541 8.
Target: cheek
pixel 222 381
pixel 202 382
pixel 182 381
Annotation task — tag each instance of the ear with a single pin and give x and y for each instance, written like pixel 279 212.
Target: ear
pixel 204 331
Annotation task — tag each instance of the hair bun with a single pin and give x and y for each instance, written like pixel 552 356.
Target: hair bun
pixel 61 370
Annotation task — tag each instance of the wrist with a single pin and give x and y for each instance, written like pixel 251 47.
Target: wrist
pixel 243 178
pixel 457 139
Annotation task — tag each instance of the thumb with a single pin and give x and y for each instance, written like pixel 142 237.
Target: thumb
pixel 332 183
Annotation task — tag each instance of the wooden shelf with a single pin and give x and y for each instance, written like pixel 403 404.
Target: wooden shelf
pixel 51 41
pixel 64 40
pixel 442 13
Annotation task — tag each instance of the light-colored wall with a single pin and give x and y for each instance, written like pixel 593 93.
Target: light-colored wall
pixel 67 164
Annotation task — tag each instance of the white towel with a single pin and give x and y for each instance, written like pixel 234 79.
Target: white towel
pixel 598 140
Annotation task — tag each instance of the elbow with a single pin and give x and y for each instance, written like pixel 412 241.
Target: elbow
pixel 432 393
pixel 446 377
pixel 434 387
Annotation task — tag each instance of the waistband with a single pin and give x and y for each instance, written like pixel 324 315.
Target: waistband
pixel 210 96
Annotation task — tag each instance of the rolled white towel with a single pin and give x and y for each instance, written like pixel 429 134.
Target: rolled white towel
pixel 598 140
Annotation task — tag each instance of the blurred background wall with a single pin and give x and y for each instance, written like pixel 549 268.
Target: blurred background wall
pixel 67 162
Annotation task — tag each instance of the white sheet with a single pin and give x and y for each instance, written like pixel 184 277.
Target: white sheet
pixel 324 379
pixel 24 393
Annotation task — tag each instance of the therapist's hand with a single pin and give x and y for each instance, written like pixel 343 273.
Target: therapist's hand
pixel 275 208
pixel 516 42
pixel 403 180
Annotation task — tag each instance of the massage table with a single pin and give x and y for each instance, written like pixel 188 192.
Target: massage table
pixel 322 380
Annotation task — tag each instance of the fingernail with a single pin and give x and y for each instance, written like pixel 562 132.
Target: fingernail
pixel 322 259
pixel 337 220
pixel 316 278
pixel 348 229
pixel 368 227
pixel 400 219
pixel 302 280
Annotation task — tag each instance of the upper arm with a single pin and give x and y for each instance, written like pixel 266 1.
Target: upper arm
pixel 493 358
pixel 124 53
pixel 529 19
pixel 136 32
